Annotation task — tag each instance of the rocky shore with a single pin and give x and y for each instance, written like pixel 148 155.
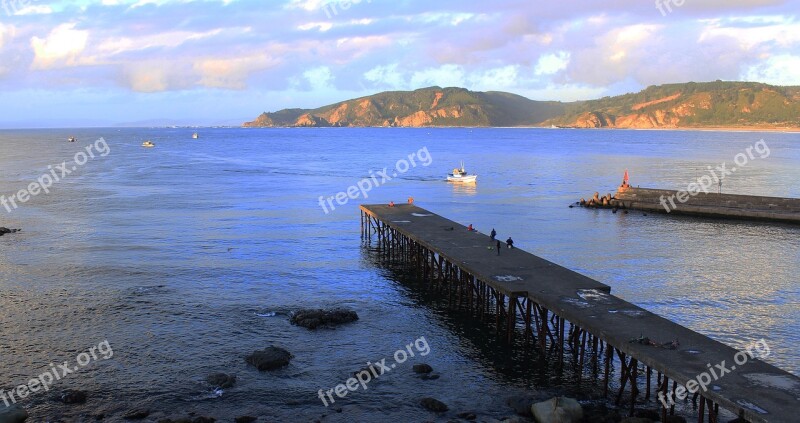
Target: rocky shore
pixel 566 405
pixel 4 231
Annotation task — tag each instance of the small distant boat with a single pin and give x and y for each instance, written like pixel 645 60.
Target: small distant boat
pixel 195 135
pixel 148 144
pixel 461 175
pixel 72 139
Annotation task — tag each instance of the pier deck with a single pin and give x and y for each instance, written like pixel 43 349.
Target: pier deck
pixel 755 390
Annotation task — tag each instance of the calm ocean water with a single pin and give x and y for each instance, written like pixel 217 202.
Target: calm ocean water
pixel 188 256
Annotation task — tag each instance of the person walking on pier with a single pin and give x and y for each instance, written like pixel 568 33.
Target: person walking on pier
pixel 509 242
pixel 498 247
pixel 494 234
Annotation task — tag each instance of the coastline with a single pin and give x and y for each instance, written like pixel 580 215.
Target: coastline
pixel 787 130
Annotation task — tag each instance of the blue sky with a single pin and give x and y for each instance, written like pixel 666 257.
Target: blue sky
pixel 101 62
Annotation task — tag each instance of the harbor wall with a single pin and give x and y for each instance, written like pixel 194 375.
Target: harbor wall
pixel 709 204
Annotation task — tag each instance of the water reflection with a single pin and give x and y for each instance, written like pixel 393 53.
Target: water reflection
pixel 465 188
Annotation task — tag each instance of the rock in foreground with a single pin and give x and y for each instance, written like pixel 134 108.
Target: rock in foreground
pixel 422 368
pixel 557 410
pixel 4 231
pixel 140 414
pixel 432 404
pixel 72 396
pixel 221 380
pixel 269 359
pixel 312 319
pixel 13 414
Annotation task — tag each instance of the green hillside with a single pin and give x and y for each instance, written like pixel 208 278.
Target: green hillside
pixel 688 105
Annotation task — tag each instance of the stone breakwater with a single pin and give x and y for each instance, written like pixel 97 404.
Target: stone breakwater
pixel 717 205
pixel 4 231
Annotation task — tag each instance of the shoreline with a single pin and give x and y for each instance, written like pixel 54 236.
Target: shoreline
pixel 788 130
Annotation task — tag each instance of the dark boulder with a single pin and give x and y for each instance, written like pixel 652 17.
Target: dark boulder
pixel 422 368
pixel 13 414
pixel 136 415
pixel 648 414
pixel 521 405
pixel 269 359
pixel 432 404
pixel 245 419
pixel 72 396
pixel 312 319
pixel 467 415
pixel 221 380
pixel 4 231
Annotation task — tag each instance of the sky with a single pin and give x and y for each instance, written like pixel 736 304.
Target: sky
pixel 210 62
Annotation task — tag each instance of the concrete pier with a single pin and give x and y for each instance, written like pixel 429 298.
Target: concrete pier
pixel 751 207
pixel 562 312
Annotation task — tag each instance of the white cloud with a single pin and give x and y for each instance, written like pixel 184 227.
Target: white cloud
pixel 320 78
pixel 783 69
pixel 231 73
pixel 307 5
pixel 7 32
pixel 770 31
pixel 550 64
pixel 321 26
pixel 386 76
pixel 564 92
pixel 443 76
pixel 148 77
pixel 34 9
pixel 171 39
pixel 61 47
pixel 502 78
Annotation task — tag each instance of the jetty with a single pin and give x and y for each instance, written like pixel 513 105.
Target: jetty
pixel 699 201
pixel 539 304
pixel 711 204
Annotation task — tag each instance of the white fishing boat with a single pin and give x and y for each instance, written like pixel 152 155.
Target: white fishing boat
pixel 461 175
pixel 195 136
pixel 148 144
pixel 72 139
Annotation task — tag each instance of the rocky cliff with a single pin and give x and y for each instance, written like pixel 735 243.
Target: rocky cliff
pixel 690 105
pixel 426 107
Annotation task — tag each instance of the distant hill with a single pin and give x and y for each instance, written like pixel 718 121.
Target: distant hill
pixel 689 105
pixel 425 107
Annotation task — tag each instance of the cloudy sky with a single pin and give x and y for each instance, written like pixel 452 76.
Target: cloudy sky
pixel 100 62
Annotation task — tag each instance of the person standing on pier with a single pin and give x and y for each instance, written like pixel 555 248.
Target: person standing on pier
pixel 498 247
pixel 509 242
pixel 494 234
